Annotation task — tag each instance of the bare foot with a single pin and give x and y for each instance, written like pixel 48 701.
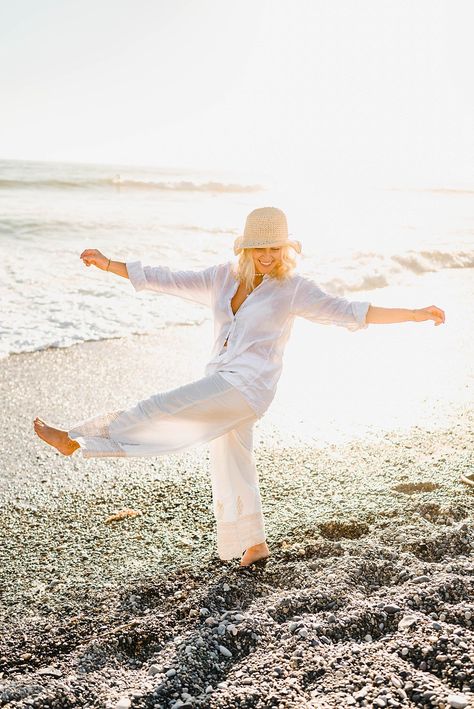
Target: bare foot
pixel 255 553
pixel 55 437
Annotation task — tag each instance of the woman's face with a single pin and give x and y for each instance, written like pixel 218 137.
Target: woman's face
pixel 266 259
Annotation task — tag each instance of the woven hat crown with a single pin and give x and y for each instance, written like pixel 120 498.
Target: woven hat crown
pixel 266 226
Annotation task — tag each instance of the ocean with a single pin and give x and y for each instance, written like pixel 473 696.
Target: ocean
pixel 396 245
pixel 354 241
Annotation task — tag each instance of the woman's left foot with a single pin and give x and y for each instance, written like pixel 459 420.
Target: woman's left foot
pixel 259 552
pixel 55 437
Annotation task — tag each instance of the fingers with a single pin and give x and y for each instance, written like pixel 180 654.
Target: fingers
pixel 436 314
pixel 89 256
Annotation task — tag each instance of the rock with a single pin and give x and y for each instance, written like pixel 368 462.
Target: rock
pixel 154 670
pixel 457 701
pixel 123 703
pixel 171 672
pixel 224 651
pixel 391 609
pixel 50 672
pixel 406 622
pixel 421 579
pixel 226 588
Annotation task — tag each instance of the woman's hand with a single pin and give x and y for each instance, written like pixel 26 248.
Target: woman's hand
pixel 93 257
pixel 430 313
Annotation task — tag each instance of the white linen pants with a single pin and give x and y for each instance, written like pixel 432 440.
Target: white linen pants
pixel 209 410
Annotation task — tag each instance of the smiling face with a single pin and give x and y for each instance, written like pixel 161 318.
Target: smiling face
pixel 266 259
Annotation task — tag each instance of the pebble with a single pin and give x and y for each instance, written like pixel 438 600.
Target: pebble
pixel 225 651
pixel 171 672
pixel 457 701
pixel 391 609
pixel 421 579
pixel 154 670
pixel 50 672
pixel 406 622
pixel 123 703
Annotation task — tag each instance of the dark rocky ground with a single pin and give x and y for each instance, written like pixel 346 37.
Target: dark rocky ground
pixel 367 599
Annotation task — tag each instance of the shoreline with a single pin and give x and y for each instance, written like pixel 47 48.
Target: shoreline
pixel 371 556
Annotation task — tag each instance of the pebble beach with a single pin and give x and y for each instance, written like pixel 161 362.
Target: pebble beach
pixel 367 599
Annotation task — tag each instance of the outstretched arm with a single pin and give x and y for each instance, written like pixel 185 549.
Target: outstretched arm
pixel 378 316
pixel 190 285
pixel 312 303
pixel 93 257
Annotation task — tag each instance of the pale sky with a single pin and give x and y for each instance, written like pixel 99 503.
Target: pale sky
pixel 231 84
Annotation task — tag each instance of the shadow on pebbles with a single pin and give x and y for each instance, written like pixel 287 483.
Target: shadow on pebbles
pixel 331 622
pixel 365 602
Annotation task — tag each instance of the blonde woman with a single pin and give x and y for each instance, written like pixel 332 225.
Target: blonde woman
pixel 254 303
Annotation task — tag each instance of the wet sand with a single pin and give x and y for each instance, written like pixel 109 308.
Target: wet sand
pixel 367 600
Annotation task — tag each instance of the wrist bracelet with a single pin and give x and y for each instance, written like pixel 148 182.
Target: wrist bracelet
pixel 108 266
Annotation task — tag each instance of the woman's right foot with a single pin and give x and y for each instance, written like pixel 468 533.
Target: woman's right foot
pixel 259 552
pixel 55 437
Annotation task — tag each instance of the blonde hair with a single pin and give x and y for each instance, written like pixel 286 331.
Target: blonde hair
pixel 244 269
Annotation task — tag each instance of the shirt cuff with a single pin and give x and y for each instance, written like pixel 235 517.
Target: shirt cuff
pixel 360 308
pixel 136 275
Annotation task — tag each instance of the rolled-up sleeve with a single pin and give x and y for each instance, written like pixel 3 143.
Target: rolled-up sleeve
pixel 312 303
pixel 191 285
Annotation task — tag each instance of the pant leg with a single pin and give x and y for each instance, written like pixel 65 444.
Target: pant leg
pixel 167 422
pixel 235 491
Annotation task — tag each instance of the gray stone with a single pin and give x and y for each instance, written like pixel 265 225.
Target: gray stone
pixel 154 670
pixel 224 651
pixel 50 672
pixel 457 701
pixel 123 703
pixel 406 622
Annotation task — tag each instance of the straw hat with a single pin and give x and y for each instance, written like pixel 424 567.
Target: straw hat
pixel 266 226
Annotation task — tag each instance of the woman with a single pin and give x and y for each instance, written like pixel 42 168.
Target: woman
pixel 254 304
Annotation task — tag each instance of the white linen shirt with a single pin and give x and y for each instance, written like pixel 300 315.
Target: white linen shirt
pixel 257 334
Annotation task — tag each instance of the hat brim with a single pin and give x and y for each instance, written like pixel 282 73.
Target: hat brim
pixel 294 243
